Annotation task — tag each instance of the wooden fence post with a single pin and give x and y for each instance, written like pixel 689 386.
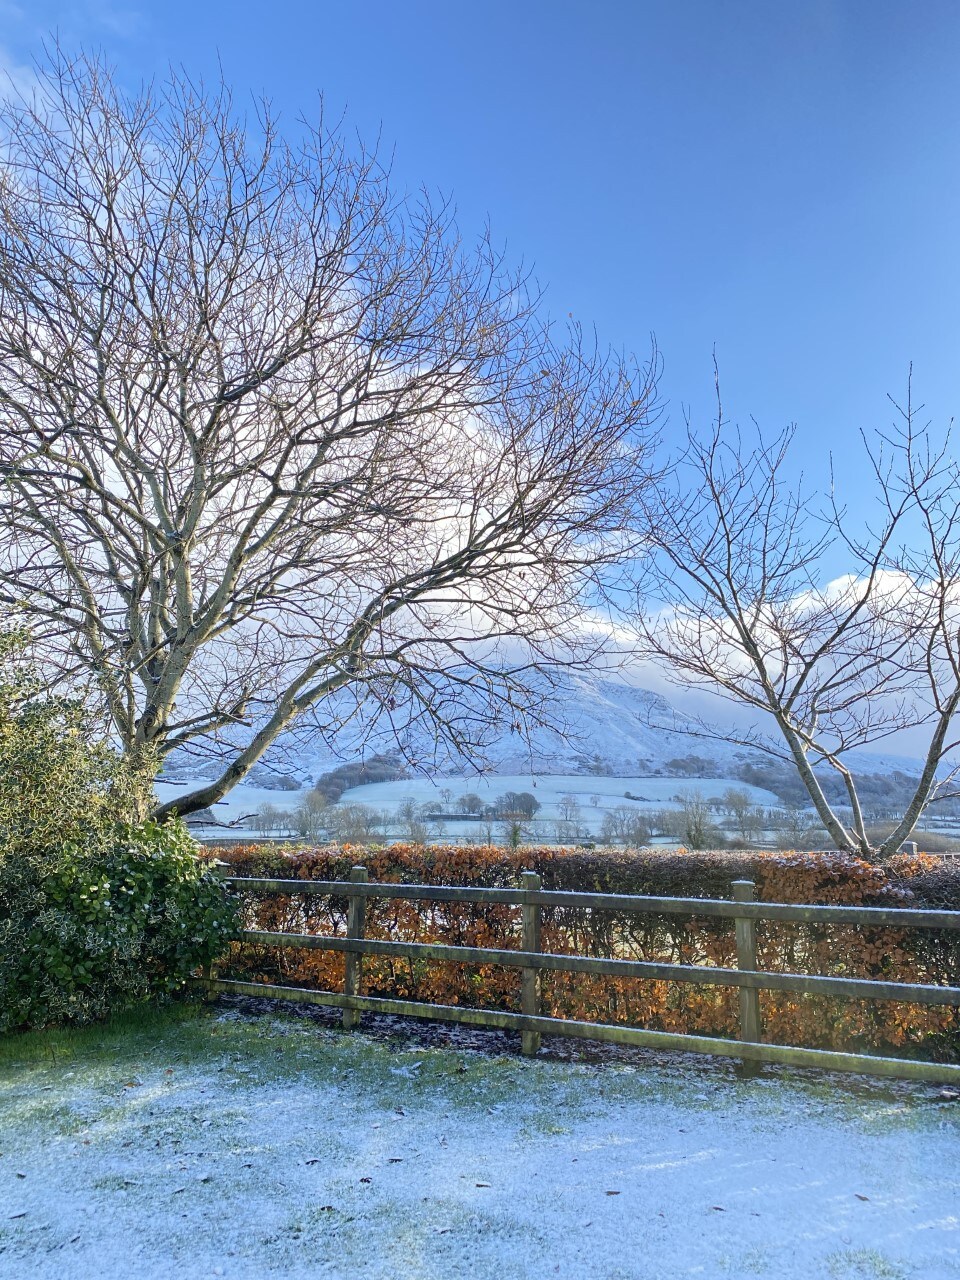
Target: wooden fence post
pixel 530 990
pixel 209 971
pixel 746 891
pixel 353 961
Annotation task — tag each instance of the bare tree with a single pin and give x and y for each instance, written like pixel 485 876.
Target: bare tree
pixel 570 825
pixel 277 447
pixel 746 815
pixel 568 807
pixel 356 823
pixel 311 814
pixel 691 822
pixel 517 804
pixel 271 818
pixel 470 803
pixel 624 825
pixel 738 601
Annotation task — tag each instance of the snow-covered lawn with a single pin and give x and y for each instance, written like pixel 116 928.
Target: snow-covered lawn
pixel 210 1144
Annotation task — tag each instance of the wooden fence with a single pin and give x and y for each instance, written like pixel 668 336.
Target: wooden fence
pixel 531 1022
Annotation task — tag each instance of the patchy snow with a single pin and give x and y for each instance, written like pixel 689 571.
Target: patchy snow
pixel 605 722
pixel 609 792
pixel 647 792
pixel 223 1146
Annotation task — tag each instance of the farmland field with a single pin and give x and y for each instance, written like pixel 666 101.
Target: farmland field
pixel 595 796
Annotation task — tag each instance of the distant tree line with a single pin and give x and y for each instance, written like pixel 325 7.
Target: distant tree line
pixel 359 773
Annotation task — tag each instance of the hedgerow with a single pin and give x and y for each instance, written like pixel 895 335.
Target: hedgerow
pixel 841 950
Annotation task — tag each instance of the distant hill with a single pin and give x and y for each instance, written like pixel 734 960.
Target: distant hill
pixel 610 728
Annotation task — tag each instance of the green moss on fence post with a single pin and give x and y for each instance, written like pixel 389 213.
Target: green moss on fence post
pixel 746 891
pixel 353 964
pixel 530 991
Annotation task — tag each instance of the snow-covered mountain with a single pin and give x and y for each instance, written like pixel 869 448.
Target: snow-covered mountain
pixel 615 735
pixel 608 728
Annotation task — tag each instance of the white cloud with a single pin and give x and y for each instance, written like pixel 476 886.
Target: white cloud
pixel 16 78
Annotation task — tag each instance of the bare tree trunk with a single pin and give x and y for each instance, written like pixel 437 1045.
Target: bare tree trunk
pixel 268 433
pixel 733 601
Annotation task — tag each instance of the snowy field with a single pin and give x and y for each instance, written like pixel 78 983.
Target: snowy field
pixel 596 796
pixel 609 792
pixel 214 1145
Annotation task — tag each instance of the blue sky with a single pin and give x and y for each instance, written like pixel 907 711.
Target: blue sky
pixel 775 180
pixel 778 180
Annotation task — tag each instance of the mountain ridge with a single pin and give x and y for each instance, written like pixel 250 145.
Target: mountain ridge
pixel 608 728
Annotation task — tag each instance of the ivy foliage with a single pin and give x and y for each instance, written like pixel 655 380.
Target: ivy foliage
pixel 98 909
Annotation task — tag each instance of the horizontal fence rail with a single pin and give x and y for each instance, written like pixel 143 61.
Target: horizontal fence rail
pixel 533 962
pixel 906 917
pixel 857 988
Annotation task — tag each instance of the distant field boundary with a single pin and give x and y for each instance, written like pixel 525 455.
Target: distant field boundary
pixel 532 961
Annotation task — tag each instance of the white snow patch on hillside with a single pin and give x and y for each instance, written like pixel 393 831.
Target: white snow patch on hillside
pixel 622 729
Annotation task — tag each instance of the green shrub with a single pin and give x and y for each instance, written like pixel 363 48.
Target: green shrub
pixel 86 931
pixel 98 910
pixel 61 780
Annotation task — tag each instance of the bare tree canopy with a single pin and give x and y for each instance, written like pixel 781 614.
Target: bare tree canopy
pixel 737 600
pixel 268 431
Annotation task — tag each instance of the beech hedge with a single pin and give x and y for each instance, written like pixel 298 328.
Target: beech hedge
pixel 889 954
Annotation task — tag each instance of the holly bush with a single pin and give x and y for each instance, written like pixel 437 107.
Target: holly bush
pixel 98 908
pixel 85 932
